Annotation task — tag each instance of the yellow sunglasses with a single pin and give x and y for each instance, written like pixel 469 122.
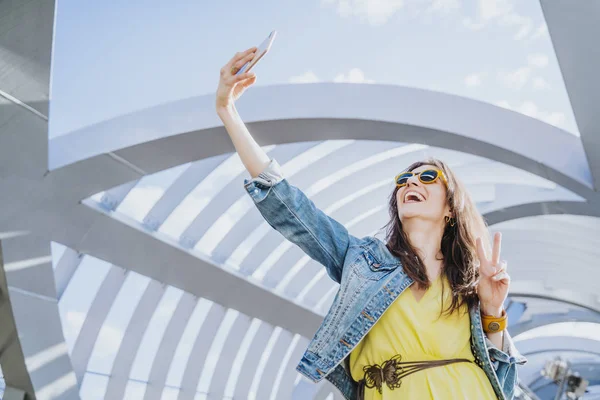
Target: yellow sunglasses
pixel 428 176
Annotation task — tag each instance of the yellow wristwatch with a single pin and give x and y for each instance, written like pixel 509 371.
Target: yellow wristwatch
pixel 494 324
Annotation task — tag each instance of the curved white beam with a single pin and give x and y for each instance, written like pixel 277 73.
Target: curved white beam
pixel 558 344
pixel 539 320
pixel 177 192
pixel 251 361
pixel 166 351
pixel 131 340
pixel 542 208
pixel 199 351
pixel 189 130
pixel 537 289
pixel 223 199
pixel 227 356
pixel 95 318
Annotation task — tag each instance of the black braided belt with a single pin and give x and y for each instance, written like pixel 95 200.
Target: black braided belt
pixel 392 371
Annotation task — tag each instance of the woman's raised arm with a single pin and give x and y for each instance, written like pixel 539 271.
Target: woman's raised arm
pixel 231 87
pixel 285 207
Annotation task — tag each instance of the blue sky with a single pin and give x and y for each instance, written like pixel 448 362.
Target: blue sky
pixel 111 58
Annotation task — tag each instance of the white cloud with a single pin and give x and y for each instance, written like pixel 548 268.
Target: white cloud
pixel 541 31
pixel 355 75
pixel 512 19
pixel 444 6
pixel 474 79
pixel 540 83
pixel 503 104
pixel 307 77
pixel 376 12
pixel 379 12
pixel 470 24
pixel 539 60
pixel 502 12
pixel 531 109
pixel 489 9
pixel 517 78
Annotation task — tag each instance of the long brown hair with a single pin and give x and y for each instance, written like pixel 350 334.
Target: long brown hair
pixel 458 242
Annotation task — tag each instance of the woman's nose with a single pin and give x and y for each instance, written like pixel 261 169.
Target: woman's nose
pixel 413 180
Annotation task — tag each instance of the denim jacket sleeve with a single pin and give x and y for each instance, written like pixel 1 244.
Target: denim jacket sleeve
pixel 505 362
pixel 289 211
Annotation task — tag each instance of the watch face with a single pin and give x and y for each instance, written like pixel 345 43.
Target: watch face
pixel 494 327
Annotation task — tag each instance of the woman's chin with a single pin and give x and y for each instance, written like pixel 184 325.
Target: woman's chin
pixel 406 215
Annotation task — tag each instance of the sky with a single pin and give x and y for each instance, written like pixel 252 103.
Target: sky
pixel 112 58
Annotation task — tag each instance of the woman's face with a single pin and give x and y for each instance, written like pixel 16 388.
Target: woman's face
pixel 420 200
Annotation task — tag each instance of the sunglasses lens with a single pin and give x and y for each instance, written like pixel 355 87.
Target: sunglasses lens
pixel 428 176
pixel 403 178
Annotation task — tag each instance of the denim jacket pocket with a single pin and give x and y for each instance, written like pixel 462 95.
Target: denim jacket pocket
pixel 369 266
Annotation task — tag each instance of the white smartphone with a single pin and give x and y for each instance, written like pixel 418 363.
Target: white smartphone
pixel 260 52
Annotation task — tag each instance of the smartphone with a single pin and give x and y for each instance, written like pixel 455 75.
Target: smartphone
pixel 260 52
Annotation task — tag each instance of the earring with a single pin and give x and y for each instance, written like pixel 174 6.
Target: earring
pixel 450 220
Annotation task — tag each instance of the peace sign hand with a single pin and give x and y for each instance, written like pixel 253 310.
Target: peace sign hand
pixel 494 280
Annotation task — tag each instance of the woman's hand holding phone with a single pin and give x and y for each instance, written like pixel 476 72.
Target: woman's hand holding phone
pixel 232 86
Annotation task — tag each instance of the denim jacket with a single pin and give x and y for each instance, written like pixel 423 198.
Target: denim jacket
pixel 370 279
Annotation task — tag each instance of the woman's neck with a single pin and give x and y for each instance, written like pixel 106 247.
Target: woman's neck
pixel 426 236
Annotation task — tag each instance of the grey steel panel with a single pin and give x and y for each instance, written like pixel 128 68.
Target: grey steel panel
pixel 46 355
pixel 227 356
pixel 95 318
pixel 112 198
pixel 306 390
pixel 132 339
pixel 242 388
pixel 326 390
pixel 166 351
pixel 23 148
pixel 183 185
pixel 272 366
pixel 25 51
pixel 286 385
pixel 574 30
pixel 65 269
pixel 27 268
pixel 127 245
pixel 199 351
pixel 223 199
pixel 28 265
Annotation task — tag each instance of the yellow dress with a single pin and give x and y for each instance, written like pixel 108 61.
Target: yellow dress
pixel 413 330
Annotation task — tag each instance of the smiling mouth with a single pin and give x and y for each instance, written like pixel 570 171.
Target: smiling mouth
pixel 413 197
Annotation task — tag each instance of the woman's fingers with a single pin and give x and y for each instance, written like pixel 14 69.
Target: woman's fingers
pixel 244 76
pixel 502 277
pixel 250 80
pixel 240 63
pixel 480 251
pixel 501 274
pixel 241 55
pixel 496 248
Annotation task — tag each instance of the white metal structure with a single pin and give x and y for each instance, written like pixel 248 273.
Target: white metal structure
pixel 197 264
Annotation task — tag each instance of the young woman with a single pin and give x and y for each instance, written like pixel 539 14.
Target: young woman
pixel 418 317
